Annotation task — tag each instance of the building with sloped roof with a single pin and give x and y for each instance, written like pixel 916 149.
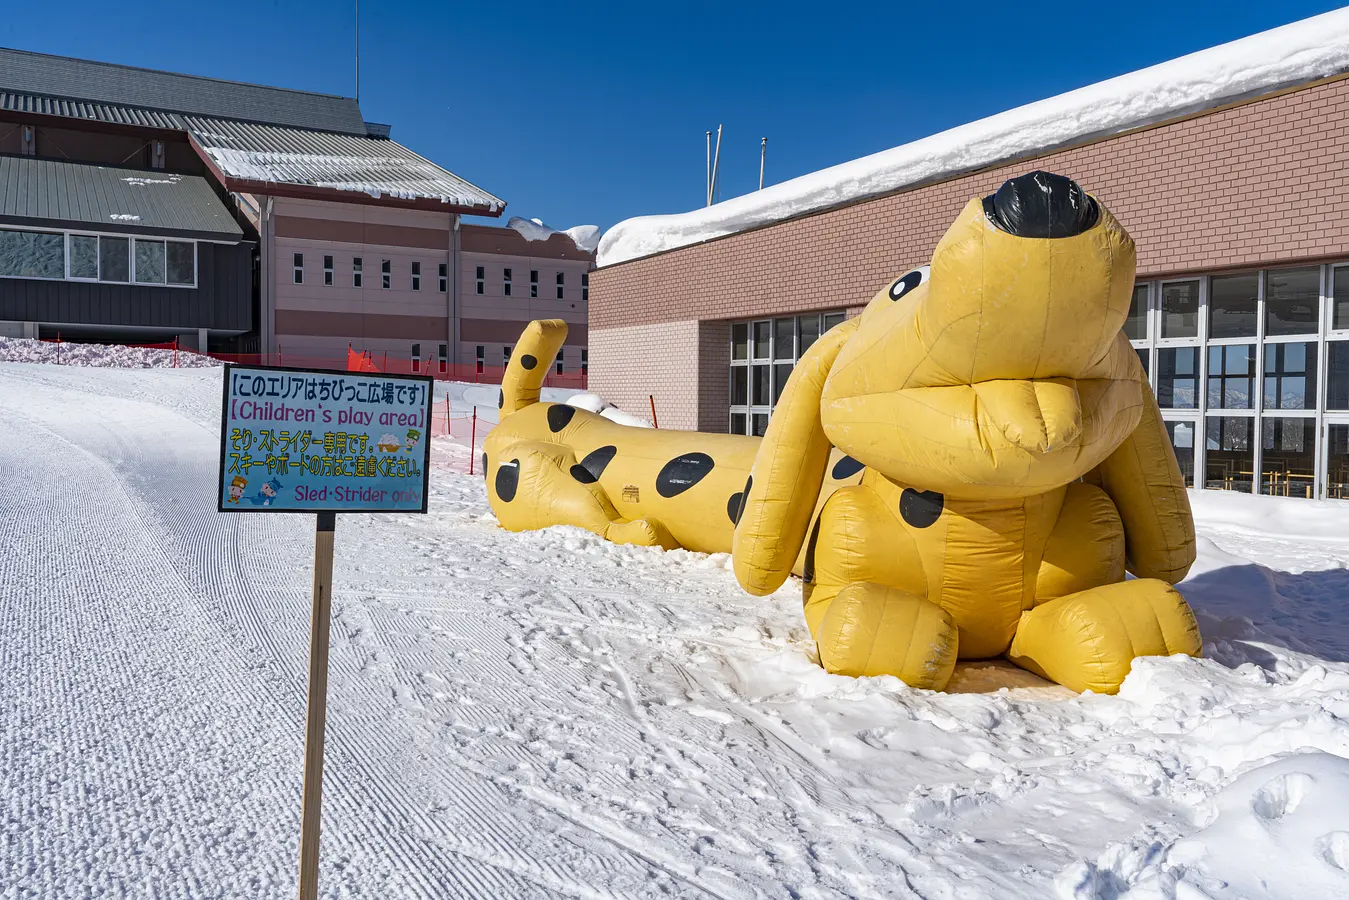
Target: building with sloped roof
pixel 139 205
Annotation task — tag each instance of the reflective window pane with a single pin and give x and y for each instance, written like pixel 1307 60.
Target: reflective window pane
pixel 1337 462
pixel 1229 454
pixel 1182 442
pixel 1178 377
pixel 1180 309
pixel 739 385
pixel 760 424
pixel 1136 326
pixel 1337 375
pixel 833 319
pixel 83 256
pixel 740 341
pixel 1340 292
pixel 762 339
pixel 1290 376
pixel 1288 456
pixel 182 264
pixel 784 346
pixel 1231 376
pixel 1232 301
pixel 1143 358
pixel 32 254
pixel 149 262
pixel 781 372
pixel 114 259
pixel 1292 300
pixel 760 380
pixel 738 423
pixel 809 330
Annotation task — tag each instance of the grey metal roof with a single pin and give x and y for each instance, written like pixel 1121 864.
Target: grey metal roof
pixel 63 78
pixel 37 191
pixel 343 162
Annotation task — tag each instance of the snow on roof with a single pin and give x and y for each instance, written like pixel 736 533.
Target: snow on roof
pixel 1281 57
pixel 585 237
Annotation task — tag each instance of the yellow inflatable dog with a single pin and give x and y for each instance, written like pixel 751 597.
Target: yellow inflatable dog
pixel 964 471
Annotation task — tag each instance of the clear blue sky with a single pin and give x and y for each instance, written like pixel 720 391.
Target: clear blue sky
pixel 590 113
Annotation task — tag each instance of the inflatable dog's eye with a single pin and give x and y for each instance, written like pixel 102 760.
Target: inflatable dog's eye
pixel 909 282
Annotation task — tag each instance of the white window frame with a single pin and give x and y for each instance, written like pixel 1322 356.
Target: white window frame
pixel 562 285
pixel 67 234
pixel 416 275
pixel 481 278
pixel 442 273
pixel 749 409
pixel 358 272
pixel 533 283
pixel 296 261
pixel 585 287
pixel 328 270
pixel 506 281
pixel 386 274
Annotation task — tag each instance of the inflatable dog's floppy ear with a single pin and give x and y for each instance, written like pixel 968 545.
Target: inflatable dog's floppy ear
pixel 788 473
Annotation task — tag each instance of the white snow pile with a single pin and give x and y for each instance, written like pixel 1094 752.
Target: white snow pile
pixel 585 237
pixel 597 404
pixel 102 356
pixel 1302 51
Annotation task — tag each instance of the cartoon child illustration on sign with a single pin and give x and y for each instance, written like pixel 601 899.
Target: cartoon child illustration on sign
pixel 413 437
pixel 237 488
pixel 388 444
pixel 266 494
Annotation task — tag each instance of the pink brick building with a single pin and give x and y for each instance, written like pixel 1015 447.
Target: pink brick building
pixel 1241 216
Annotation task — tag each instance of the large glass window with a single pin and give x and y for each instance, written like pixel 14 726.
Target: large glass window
pixel 1337 461
pixel 762 340
pixel 1180 309
pixel 32 254
pixel 149 262
pixel 1292 300
pixel 1182 442
pixel 182 262
pixel 1340 297
pixel 114 259
pixel 1288 456
pixel 740 341
pixel 1136 326
pixel 1229 454
pixel 1178 377
pixel 810 332
pixel 1290 375
pixel 763 355
pixel 739 386
pixel 1337 375
pixel 84 256
pixel 1232 301
pixel 784 338
pixel 1231 376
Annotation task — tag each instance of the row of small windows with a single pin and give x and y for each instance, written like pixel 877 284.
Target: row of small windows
pixel 358 273
pixel 117 259
pixel 480 356
pixel 442 358
pixel 507 283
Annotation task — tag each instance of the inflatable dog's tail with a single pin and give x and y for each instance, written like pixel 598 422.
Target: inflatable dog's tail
pixel 530 362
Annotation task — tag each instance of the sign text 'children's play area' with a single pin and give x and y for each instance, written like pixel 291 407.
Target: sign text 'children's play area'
pixel 304 441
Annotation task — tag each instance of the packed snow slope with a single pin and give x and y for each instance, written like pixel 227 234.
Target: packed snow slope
pixel 1292 54
pixel 550 715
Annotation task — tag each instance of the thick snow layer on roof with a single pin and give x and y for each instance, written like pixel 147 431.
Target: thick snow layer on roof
pixel 585 237
pixel 1302 51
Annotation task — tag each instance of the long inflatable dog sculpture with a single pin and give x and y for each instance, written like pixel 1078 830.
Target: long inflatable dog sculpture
pixel 966 470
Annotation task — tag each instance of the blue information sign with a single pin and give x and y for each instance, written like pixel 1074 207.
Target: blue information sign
pixel 298 440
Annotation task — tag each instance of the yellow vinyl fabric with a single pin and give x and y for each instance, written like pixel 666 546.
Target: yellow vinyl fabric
pixel 965 470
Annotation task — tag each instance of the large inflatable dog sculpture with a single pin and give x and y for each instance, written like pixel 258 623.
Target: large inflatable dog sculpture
pixel 966 470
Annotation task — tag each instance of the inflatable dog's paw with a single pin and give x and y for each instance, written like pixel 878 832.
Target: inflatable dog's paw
pixel 874 630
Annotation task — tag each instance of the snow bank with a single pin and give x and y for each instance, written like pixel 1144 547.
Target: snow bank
pixel 1302 51
pixel 103 356
pixel 585 237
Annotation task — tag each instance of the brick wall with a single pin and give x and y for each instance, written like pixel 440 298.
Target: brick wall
pixel 634 362
pixel 1256 184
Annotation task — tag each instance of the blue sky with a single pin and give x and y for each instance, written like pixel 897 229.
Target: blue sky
pixel 579 113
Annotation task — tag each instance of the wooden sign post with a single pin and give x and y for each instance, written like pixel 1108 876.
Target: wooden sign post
pixel 304 440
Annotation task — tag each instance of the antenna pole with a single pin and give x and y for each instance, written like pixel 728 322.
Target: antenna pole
pixel 763 151
pixel 358 51
pixel 709 168
pixel 716 166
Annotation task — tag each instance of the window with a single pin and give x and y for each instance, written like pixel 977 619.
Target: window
pixel 297 275
pixel 114 259
pixel 1229 453
pixel 1290 375
pixel 1340 290
pixel 585 287
pixel 533 282
pixel 442 277
pixel 480 357
pixel 1178 377
pixel 182 263
pixel 506 281
pixel 1337 461
pixel 505 356
pixel 1337 375
pixel 1180 310
pixel 1231 376
pixel 1136 325
pixel 1232 300
pixel 442 354
pixel 1288 456
pixel 482 279
pixel 561 284
pixel 1182 441
pixel 386 274
pixel 416 357
pixel 416 276
pixel 808 332
pixel 149 262
pixel 328 270
pixel 83 256
pixel 585 359
pixel 1143 354
pixel 832 319
pixel 1292 301
pixel 356 271
pixel 559 360
pixel 32 254
pixel 763 355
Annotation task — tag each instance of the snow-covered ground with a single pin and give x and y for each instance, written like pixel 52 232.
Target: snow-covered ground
pixel 549 715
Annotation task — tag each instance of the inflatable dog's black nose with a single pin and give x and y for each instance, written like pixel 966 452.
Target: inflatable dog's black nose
pixel 1041 205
